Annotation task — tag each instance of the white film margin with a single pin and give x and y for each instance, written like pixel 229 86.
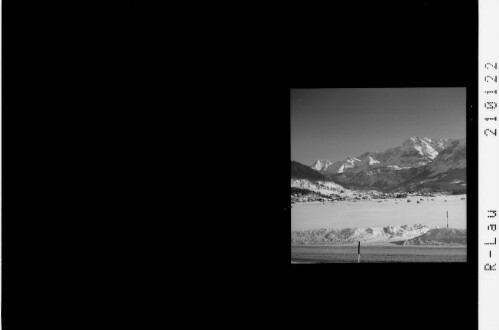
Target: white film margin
pixel 488 165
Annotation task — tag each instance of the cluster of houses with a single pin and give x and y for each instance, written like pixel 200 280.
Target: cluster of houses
pixel 381 196
pixel 318 197
pixel 403 195
pixel 297 197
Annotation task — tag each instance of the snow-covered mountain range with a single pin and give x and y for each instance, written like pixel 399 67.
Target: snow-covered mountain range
pixel 418 161
pixel 321 164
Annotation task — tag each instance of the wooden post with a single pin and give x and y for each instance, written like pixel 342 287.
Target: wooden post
pixel 358 253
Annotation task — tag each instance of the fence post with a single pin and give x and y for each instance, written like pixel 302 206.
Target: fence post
pixel 358 253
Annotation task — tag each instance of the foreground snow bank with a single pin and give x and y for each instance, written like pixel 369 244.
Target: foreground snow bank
pixel 409 235
pixel 440 236
pixel 351 235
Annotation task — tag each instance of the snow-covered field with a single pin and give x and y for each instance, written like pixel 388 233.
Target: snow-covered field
pixel 380 213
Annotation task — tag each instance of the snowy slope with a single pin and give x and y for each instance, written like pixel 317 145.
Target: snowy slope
pixel 323 187
pixel 451 158
pixel 366 164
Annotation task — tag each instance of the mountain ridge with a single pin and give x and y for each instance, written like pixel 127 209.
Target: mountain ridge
pixel 301 171
pixel 419 162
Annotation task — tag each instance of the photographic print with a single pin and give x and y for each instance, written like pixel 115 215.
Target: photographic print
pixel 378 175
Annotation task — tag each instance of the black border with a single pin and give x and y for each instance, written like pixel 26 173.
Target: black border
pixel 66 99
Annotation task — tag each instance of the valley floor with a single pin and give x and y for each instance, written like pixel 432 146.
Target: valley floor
pixel 380 213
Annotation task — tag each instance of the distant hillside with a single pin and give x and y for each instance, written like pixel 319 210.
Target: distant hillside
pixel 300 171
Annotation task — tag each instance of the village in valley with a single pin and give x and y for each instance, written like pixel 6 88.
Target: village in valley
pixel 306 191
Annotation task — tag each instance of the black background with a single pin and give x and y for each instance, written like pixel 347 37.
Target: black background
pixel 67 96
pixel 78 171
